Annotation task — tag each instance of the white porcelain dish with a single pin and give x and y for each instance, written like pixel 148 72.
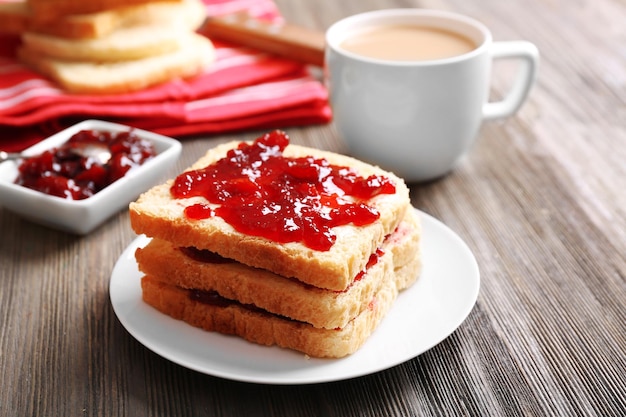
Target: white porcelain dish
pixel 421 317
pixel 82 216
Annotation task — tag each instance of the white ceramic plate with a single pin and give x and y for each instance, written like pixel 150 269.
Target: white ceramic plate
pixel 422 316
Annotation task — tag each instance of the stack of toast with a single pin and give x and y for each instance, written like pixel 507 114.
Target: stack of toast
pixel 249 271
pixel 109 46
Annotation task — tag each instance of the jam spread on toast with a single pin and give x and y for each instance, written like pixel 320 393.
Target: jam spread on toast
pixel 209 257
pixel 204 255
pixel 373 260
pixel 261 192
pixel 65 173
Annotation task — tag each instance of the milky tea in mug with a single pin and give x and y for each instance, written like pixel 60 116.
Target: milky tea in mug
pixel 409 88
pixel 408 43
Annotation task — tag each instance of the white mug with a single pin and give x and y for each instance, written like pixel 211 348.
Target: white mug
pixel 418 118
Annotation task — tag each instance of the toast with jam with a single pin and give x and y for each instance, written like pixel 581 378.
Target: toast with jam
pixel 295 211
pixel 313 244
pixel 215 294
pixel 202 270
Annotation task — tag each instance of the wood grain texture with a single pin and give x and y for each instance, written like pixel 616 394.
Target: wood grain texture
pixel 541 201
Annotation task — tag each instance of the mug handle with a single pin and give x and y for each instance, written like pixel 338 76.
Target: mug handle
pixel 529 56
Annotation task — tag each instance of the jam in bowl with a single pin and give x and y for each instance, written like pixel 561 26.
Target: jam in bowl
pixel 88 162
pixel 79 192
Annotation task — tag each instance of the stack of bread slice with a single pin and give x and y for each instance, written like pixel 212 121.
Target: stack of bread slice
pixel 111 46
pixel 212 274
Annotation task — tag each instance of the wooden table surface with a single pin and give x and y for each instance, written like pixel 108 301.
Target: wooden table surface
pixel 541 202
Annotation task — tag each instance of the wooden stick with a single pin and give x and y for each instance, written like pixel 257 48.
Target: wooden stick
pixel 281 39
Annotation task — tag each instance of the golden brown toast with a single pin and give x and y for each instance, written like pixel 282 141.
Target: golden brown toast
pixel 47 10
pixel 157 214
pixel 398 260
pixel 159 28
pixel 193 55
pixel 14 17
pixel 17 17
pixel 257 326
pixel 279 244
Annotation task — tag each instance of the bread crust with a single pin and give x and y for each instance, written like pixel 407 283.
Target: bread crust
pixel 195 54
pixel 289 298
pixel 16 18
pixel 267 329
pixel 156 214
pixel 48 10
pixel 149 36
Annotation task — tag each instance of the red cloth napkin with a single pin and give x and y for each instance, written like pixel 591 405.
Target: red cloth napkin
pixel 243 89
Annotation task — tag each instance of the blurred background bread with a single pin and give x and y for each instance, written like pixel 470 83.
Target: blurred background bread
pixel 46 10
pixel 14 17
pixel 118 49
pixel 17 17
pixel 115 77
pixel 162 31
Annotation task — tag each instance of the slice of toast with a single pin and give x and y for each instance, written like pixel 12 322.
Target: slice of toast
pixel 14 17
pixel 194 54
pixel 157 214
pixel 257 326
pixel 156 33
pixel 398 260
pixel 17 17
pixel 49 10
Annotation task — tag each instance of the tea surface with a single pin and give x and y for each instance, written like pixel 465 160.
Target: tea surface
pixel 408 43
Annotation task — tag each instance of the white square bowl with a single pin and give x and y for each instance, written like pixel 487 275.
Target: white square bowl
pixel 82 216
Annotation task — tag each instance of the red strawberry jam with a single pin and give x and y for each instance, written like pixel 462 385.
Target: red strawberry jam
pixel 373 260
pixel 64 173
pixel 261 192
